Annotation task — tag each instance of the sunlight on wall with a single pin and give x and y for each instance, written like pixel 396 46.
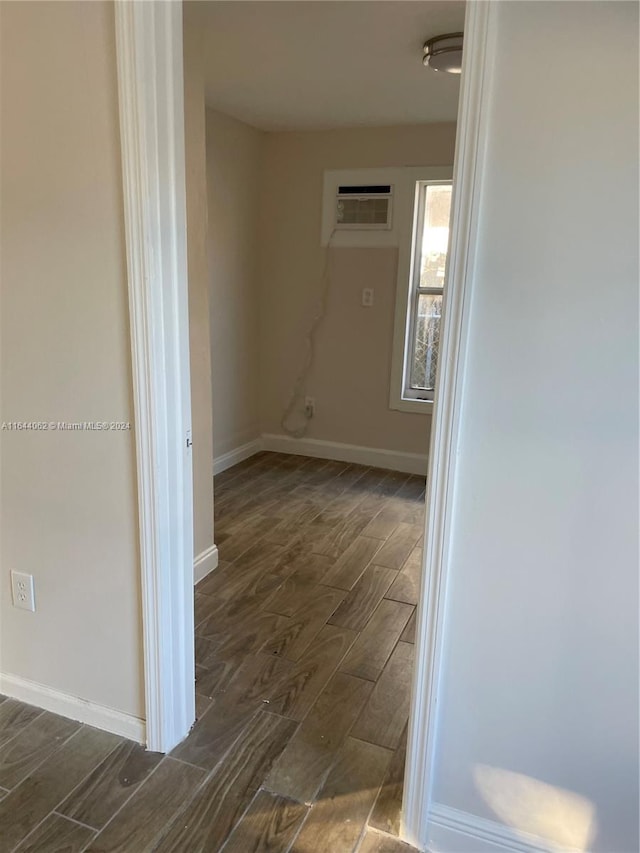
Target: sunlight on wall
pixel 562 817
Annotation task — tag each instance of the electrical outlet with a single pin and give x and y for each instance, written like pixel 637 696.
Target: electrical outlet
pixel 309 406
pixel 23 591
pixel 367 297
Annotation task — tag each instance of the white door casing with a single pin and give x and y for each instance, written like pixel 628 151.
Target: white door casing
pixel 431 626
pixel 150 88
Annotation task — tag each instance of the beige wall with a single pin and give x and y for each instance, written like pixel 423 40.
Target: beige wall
pixel 234 159
pixel 350 378
pixel 68 510
pixel 199 340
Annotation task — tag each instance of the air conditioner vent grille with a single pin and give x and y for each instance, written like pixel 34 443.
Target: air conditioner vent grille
pixel 363 211
pixel 363 207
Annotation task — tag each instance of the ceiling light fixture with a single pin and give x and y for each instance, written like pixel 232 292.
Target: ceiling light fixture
pixel 444 53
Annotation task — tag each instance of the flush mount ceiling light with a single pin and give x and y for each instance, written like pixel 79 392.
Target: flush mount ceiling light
pixel 444 53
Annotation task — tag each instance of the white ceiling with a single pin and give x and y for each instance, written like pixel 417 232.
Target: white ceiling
pixel 317 64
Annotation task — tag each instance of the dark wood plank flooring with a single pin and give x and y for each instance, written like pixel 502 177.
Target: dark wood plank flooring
pixel 304 655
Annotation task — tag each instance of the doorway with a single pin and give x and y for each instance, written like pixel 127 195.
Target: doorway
pixel 235 474
pixel 318 332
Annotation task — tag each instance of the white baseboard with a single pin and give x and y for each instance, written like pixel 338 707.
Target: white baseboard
pixel 239 454
pixel 394 460
pixel 454 831
pixel 82 710
pixel 204 563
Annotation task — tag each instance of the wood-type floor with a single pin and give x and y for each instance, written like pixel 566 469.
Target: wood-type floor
pixel 304 652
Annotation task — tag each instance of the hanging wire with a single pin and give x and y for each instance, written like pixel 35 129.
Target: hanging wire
pixel 299 386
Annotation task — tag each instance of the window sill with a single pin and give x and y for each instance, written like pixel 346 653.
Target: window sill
pixel 417 407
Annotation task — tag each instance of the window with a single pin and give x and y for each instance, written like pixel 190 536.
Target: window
pixel 420 298
pixel 433 206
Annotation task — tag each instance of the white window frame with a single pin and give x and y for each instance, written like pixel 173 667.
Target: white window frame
pixel 401 397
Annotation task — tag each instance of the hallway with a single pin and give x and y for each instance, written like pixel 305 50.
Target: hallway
pixel 304 647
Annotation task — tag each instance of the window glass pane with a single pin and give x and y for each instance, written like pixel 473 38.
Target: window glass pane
pixel 435 235
pixel 426 340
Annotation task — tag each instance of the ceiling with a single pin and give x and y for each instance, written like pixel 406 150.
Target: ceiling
pixel 318 64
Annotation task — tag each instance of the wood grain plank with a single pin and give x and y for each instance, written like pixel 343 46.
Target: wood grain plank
pixel 297 691
pixel 345 479
pixel 215 733
pixel 221 801
pixel 268 826
pixel 394 511
pixel 338 510
pixel 388 808
pixel 296 556
pixel 409 633
pixel 259 557
pixel 247 535
pixel 34 743
pixel 142 820
pixel 206 651
pixel 302 512
pixel 382 524
pixel 337 819
pixel 209 584
pixel 259 680
pixel 311 567
pixel 203 703
pixel 226 616
pixel 32 800
pixel 216 678
pixel 385 715
pixel 248 599
pixel 291 596
pixel 301 769
pixel 391 483
pixel 413 489
pixel 202 605
pixel 297 632
pixel 338 538
pixel 360 604
pixel 399 545
pixel 57 835
pixel 242 636
pixel 346 571
pixel 326 473
pixel 14 716
pixel 406 586
pixel 113 781
pixel 372 649
pixel 375 843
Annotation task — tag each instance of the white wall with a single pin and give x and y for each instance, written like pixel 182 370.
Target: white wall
pixel 234 160
pixel 69 507
pixel 541 658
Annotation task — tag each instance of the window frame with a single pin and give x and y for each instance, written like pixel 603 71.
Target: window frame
pixel 402 397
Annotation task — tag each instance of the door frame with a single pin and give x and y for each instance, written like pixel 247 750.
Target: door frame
pixel 150 85
pixel 471 141
pixel 151 103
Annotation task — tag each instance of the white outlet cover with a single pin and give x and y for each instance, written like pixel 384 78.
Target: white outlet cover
pixel 23 591
pixel 367 297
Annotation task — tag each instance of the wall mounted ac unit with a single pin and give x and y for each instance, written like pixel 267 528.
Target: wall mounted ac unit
pixel 363 207
pixel 367 208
